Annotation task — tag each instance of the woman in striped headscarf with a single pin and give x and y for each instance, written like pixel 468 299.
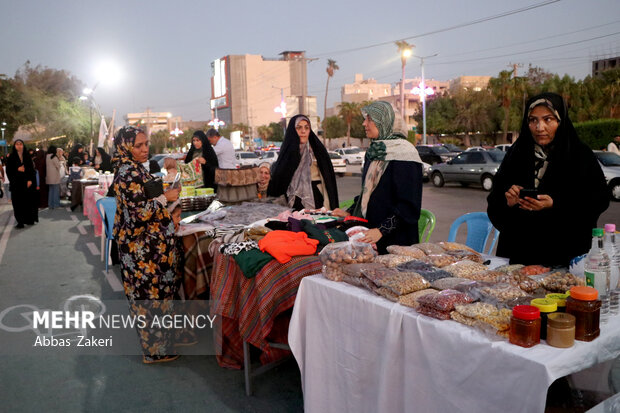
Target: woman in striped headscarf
pixel 391 195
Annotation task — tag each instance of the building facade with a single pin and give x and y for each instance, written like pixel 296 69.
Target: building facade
pixel 248 88
pixel 475 83
pixel 153 121
pixel 601 65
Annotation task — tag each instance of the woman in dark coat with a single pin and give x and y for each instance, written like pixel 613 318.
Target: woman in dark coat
pixel 303 172
pixel 202 150
pixel 548 157
pixel 20 170
pixel 102 161
pixel 77 152
pixel 391 196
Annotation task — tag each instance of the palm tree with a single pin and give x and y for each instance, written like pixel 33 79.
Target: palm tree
pixel 331 67
pixel 265 132
pixel 348 110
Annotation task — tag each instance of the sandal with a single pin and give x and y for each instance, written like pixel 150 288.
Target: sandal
pixel 159 359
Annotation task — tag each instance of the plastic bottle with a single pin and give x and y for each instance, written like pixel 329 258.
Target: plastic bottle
pixel 597 270
pixel 611 248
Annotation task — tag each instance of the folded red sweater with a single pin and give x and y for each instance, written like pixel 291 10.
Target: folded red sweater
pixel 283 245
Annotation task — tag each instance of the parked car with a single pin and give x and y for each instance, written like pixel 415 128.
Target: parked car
pixel 269 156
pixel 352 155
pixel 247 159
pixel 452 147
pixel 503 147
pixel 469 167
pixel 475 149
pixel 610 164
pixel 159 158
pixel 426 171
pixel 434 154
pixel 339 164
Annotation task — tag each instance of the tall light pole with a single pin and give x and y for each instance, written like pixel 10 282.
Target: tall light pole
pixel 281 109
pixel 405 50
pixel 423 95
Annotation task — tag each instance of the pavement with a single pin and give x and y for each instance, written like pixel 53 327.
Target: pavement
pixel 46 264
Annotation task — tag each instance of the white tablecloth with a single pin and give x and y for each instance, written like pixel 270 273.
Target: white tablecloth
pixel 358 352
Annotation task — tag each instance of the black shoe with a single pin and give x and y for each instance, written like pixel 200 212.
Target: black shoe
pixel 19 226
pixel 73 207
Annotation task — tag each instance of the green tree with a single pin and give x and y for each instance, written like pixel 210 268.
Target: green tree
pixel 348 110
pixel 334 127
pixel 331 68
pixel 278 132
pixel 265 132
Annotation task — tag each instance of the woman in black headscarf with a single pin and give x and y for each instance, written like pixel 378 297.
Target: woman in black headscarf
pixel 22 177
pixel 555 225
pixel 102 161
pixel 202 150
pixel 77 152
pixel 303 172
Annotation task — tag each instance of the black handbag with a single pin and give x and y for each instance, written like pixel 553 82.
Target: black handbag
pixel 154 188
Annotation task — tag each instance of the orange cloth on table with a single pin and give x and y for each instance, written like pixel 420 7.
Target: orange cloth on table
pixel 284 245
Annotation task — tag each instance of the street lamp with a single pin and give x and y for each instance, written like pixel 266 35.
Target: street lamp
pixel 405 50
pixel 175 133
pixel 216 123
pixel 281 109
pixel 2 128
pixel 423 95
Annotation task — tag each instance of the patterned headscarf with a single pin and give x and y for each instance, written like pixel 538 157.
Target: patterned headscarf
pixel 541 154
pixel 389 146
pixel 124 140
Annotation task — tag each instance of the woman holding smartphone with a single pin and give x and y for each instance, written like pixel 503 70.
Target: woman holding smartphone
pixel 549 190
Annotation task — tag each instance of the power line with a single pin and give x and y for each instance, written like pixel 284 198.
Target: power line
pixel 456 26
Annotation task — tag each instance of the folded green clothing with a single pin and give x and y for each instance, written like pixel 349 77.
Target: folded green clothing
pixel 324 236
pixel 252 261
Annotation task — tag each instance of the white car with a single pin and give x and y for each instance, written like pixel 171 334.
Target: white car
pixel 610 164
pixel 269 156
pixel 475 149
pixel 247 159
pixel 351 156
pixel 340 167
pixel 503 147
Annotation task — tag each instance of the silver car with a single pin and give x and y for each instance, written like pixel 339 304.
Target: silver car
pixel 610 164
pixel 477 167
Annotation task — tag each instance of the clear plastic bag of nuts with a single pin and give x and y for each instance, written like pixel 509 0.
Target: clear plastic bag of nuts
pixel 411 251
pixel 340 253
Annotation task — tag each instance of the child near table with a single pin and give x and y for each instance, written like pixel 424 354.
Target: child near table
pixel 170 165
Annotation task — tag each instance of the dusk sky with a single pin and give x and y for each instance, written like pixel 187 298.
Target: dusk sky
pixel 164 48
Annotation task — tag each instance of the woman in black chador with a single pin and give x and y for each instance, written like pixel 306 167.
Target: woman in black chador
pixel 554 224
pixel 303 172
pixel 22 177
pixel 203 151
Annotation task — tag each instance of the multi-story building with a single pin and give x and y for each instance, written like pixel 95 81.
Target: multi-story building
pixel 476 83
pixel 247 89
pixel 601 65
pixel 153 121
pixel 364 89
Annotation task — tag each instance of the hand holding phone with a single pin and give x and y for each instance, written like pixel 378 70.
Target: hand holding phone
pixel 530 193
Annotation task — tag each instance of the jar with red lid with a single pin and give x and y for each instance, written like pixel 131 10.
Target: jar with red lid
pixel 584 304
pixel 525 326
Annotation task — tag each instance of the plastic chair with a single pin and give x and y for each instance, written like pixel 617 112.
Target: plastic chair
pixel 426 223
pixel 346 204
pixel 107 207
pixel 479 230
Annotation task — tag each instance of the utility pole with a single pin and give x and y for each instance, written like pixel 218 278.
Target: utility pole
pixel 304 83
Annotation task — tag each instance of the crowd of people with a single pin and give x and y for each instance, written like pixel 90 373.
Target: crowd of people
pixel 549 227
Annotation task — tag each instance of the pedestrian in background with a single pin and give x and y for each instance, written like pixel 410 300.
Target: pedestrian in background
pixel 52 177
pixel 613 145
pixel 41 188
pixel 223 149
pixel 102 161
pixel 21 174
pixel 205 155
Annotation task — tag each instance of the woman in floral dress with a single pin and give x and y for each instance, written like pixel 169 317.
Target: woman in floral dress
pixel 144 231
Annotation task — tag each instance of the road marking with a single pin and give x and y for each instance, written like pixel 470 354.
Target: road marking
pixel 68 209
pixel 115 284
pixel 81 228
pixel 93 248
pixel 5 235
pixel 74 218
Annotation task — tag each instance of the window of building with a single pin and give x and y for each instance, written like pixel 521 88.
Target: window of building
pixel 370 92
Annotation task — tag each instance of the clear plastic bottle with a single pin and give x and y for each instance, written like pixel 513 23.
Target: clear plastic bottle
pixel 611 248
pixel 597 270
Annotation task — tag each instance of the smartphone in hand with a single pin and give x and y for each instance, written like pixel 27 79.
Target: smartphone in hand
pixel 176 184
pixel 531 193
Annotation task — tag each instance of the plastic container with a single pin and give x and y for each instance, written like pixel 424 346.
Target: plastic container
pixel 584 304
pixel 546 307
pixel 560 300
pixel 597 271
pixel 525 326
pixel 614 274
pixel 561 330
